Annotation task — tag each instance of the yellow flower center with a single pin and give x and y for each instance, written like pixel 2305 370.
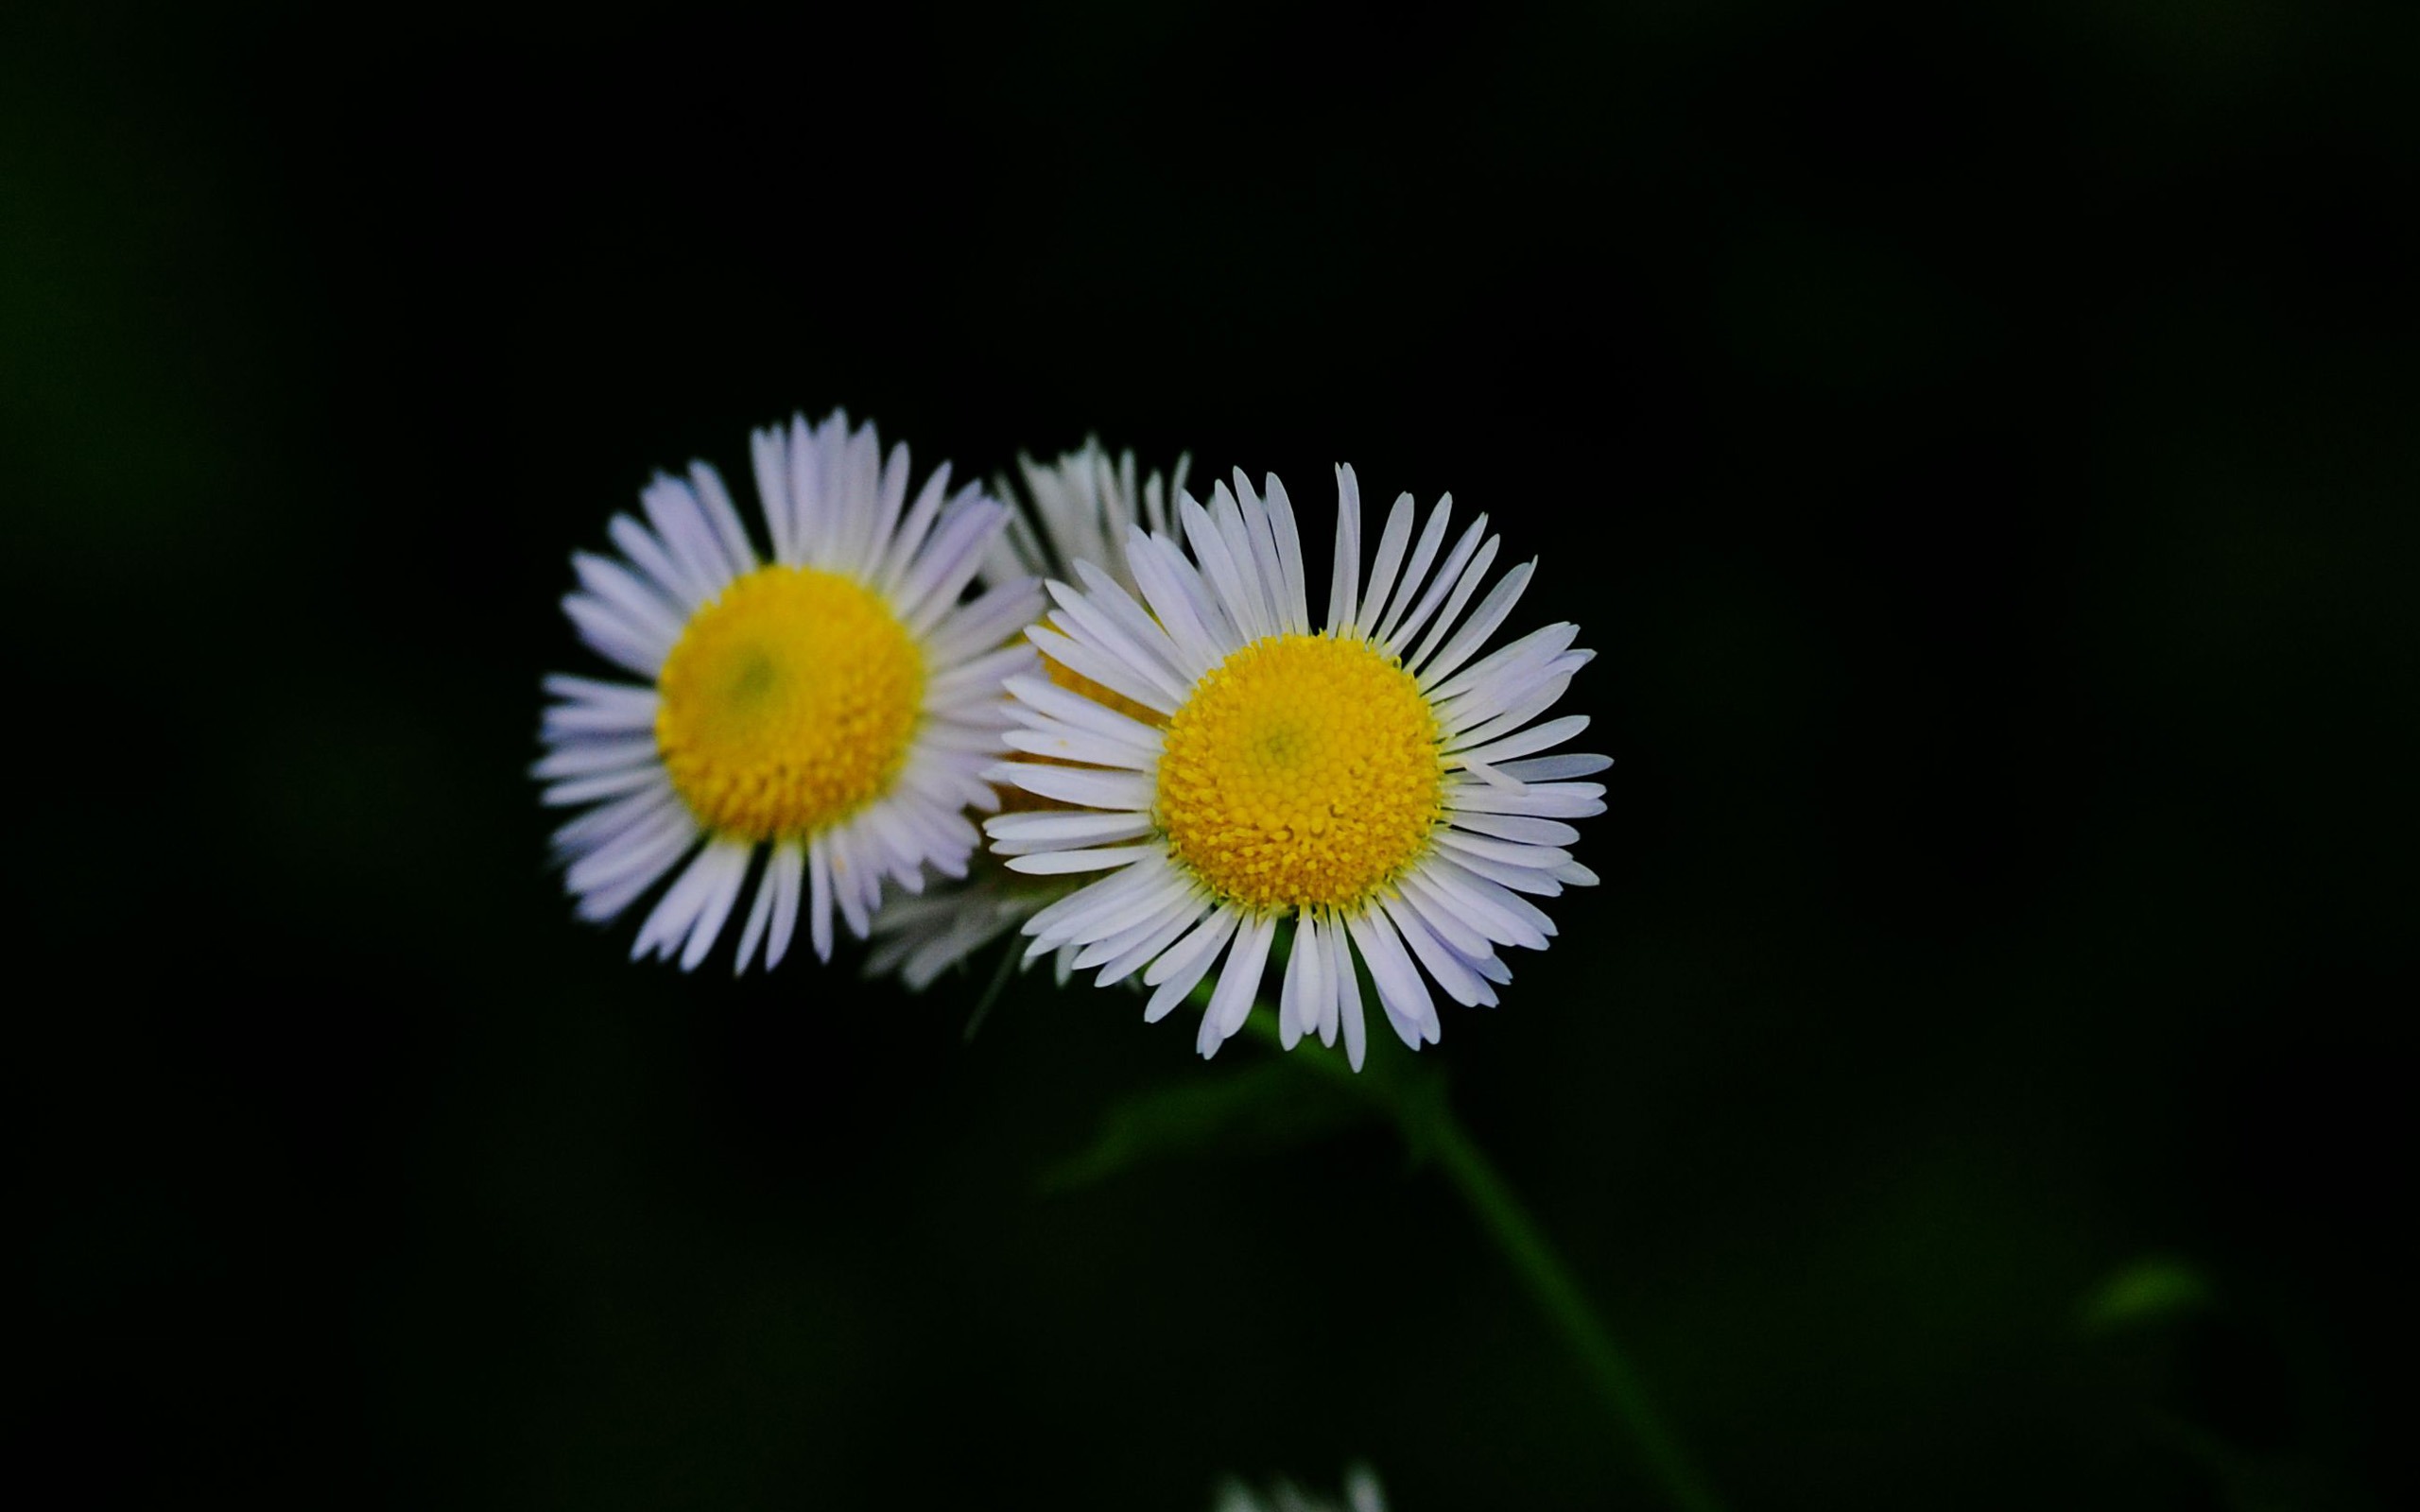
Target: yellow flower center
pixel 786 703
pixel 1301 770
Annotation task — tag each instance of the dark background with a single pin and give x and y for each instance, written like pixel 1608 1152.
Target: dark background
pixel 1982 446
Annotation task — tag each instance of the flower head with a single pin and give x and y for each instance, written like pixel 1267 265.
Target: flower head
pixel 1079 509
pixel 830 709
pixel 1376 786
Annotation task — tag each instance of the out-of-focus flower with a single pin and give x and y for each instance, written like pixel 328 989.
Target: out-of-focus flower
pixel 1362 1494
pixel 1376 784
pixel 830 709
pixel 1079 509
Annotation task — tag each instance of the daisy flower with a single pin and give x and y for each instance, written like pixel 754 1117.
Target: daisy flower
pixel 1373 789
pixel 1079 509
pixel 830 707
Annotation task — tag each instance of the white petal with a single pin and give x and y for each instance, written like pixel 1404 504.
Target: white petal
pixel 1401 991
pixel 1115 624
pixel 1348 996
pixel 1500 914
pixel 1180 915
pixel 678 907
pixel 1238 984
pixel 1491 612
pixel 725 519
pixel 1248 534
pixel 1554 768
pixel 1218 564
pixel 1516 827
pixel 1344 572
pixel 909 539
pixel 1391 543
pixel 1454 577
pixel 760 914
pixel 1059 863
pixel 769 453
pixel 1077 745
pixel 731 874
pixel 1187 962
pixel 1536 648
pixel 818 895
pixel 612 636
pixel 1550 801
pixel 585 756
pixel 1460 983
pixel 1415 575
pixel 1296 603
pixel 1197 630
pixel 987 622
pixel 1129 792
pixel 1109 672
pixel 602 785
pixel 661 572
pixel 1536 738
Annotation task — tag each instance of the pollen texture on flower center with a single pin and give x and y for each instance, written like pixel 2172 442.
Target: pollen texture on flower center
pixel 786 703
pixel 1301 770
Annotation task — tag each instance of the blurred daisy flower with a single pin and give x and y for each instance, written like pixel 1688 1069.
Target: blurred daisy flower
pixel 1362 1494
pixel 827 710
pixel 1377 787
pixel 1079 509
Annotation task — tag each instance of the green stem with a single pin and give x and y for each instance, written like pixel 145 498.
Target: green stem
pixel 1426 1121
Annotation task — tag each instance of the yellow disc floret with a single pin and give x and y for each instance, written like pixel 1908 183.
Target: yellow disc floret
pixel 1301 770
pixel 786 703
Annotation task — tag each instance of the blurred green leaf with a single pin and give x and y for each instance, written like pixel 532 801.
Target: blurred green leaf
pixel 2149 1291
pixel 1254 1110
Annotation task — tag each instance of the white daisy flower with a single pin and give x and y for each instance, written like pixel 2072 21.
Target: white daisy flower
pixel 831 707
pixel 1376 785
pixel 1079 509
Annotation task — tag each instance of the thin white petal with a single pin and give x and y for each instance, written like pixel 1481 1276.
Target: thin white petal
pixel 1129 792
pixel 1491 612
pixel 1536 738
pixel 1059 862
pixel 1348 996
pixel 760 913
pixel 1077 710
pixel 1239 984
pixel 1454 577
pixel 1109 672
pixel 731 874
pixel 1401 991
pixel 1289 537
pixel 1516 827
pixel 1415 575
pixel 1554 768
pixel 1460 983
pixel 1344 573
pixel 1187 962
pixel 1391 543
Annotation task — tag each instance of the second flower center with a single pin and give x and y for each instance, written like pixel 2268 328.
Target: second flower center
pixel 1301 770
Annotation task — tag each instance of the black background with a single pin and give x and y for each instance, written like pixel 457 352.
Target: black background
pixel 1981 443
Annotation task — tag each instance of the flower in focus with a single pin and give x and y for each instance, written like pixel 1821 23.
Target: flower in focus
pixel 829 709
pixel 1362 1494
pixel 1080 510
pixel 1376 785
